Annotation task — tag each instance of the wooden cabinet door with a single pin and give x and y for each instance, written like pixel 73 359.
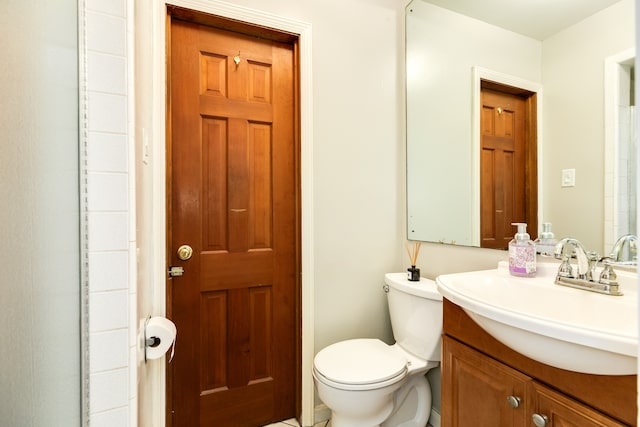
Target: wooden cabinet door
pixel 476 388
pixel 560 411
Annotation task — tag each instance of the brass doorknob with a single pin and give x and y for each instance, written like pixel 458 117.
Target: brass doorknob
pixel 185 252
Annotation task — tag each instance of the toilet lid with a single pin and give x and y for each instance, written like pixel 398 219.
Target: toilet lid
pixel 359 361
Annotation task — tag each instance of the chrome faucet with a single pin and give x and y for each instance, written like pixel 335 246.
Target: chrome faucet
pixel 562 252
pixel 586 266
pixel 625 250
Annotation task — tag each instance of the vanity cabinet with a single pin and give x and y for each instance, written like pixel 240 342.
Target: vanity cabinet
pixel 486 384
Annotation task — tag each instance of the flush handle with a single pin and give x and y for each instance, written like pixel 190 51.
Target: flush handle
pixel 185 252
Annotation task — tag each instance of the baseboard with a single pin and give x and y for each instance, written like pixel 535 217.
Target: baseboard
pixel 434 418
pixel 321 413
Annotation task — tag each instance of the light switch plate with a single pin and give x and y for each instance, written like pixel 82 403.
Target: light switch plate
pixel 145 146
pixel 568 177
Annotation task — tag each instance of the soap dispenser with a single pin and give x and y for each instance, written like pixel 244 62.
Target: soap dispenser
pixel 522 253
pixel 546 242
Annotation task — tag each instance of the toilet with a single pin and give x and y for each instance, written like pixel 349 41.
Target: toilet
pixel 368 383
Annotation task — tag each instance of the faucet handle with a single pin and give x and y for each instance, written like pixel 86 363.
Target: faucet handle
pixel 608 275
pixel 565 269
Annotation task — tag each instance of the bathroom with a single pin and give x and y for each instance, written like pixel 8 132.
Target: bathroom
pixel 353 202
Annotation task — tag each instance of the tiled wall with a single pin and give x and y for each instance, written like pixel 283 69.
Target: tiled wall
pixel 626 172
pixel 110 238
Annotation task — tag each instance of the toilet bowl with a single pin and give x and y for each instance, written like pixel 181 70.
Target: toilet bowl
pixel 367 383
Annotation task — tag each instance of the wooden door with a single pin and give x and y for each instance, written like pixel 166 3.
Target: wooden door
pixel 508 190
pixel 233 197
pixel 475 389
pixel 562 411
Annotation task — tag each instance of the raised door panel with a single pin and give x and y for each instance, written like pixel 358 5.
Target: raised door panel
pixel 502 166
pixel 475 389
pixel 561 411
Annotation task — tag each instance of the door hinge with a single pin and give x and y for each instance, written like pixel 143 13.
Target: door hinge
pixel 175 271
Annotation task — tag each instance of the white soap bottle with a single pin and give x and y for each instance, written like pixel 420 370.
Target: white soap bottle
pixel 546 242
pixel 522 253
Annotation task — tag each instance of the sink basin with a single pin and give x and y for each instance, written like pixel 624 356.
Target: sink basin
pixel 566 328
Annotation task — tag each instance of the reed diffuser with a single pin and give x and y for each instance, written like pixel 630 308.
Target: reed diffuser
pixel 413 273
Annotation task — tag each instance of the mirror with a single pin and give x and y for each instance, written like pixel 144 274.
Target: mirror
pixel 578 124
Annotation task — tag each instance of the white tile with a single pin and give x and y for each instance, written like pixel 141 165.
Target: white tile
pixel 108 311
pixel 106 73
pixel 133 321
pixel 108 350
pixel 107 152
pixel 133 377
pixel 108 271
pixel 109 390
pixel 108 231
pixel 107 191
pixel 107 112
pixel 106 34
pixel 116 417
pixel 111 7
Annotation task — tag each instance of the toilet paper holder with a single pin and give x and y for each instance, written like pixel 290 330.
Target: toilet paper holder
pixel 153 341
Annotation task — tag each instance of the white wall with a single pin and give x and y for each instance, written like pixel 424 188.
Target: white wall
pixel 40 382
pixel 573 78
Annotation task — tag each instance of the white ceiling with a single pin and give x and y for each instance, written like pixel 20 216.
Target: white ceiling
pixel 538 19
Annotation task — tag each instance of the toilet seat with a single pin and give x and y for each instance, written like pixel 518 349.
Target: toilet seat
pixel 360 364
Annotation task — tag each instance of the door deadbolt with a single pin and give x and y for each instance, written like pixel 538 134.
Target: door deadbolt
pixel 185 252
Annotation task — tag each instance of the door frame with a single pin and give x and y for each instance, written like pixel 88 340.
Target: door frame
pixel 613 84
pixel 158 144
pixel 479 74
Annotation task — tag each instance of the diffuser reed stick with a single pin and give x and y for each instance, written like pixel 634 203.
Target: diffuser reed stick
pixel 413 252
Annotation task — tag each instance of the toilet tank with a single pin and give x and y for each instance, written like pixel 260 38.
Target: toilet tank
pixel 415 309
